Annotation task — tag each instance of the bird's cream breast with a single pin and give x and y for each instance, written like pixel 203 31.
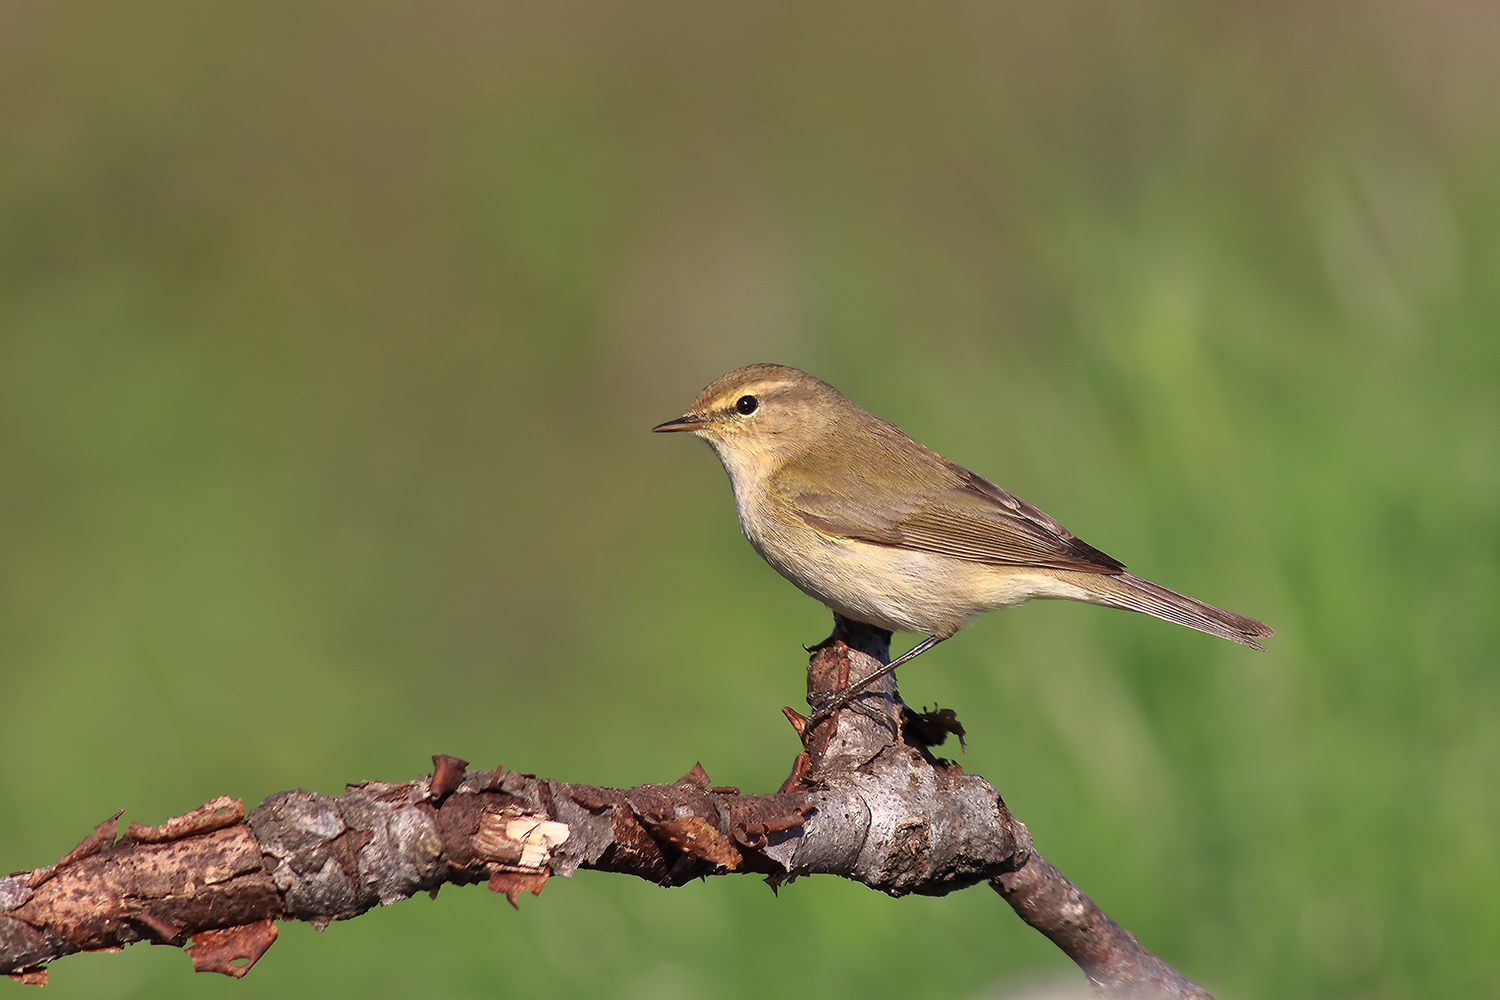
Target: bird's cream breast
pixel 898 589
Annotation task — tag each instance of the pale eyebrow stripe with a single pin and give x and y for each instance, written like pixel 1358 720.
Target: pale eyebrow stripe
pixel 757 389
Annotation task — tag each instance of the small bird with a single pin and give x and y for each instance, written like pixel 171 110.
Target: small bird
pixel 887 532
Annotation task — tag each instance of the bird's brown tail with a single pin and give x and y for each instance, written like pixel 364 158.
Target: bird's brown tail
pixel 1128 591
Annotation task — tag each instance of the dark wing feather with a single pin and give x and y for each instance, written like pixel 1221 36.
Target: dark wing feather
pixel 964 516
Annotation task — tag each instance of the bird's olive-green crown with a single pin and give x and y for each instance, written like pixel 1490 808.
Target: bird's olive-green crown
pixel 760 400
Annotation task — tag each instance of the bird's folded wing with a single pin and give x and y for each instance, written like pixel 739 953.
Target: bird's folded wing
pixel 970 519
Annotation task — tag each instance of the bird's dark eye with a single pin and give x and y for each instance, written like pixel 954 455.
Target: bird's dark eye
pixel 746 404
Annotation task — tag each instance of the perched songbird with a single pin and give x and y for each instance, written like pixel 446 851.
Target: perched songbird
pixel 885 531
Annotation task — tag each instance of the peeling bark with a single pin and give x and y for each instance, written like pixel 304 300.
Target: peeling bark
pixel 866 800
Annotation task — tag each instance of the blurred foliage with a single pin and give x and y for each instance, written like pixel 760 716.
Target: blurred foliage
pixel 330 334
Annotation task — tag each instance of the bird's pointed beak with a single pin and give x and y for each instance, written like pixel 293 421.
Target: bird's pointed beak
pixel 686 422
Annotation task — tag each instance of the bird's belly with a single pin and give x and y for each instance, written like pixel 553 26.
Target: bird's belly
pixel 899 589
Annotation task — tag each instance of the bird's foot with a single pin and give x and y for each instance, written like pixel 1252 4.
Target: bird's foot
pixel 848 698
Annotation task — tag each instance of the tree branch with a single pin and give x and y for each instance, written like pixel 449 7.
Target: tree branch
pixel 866 800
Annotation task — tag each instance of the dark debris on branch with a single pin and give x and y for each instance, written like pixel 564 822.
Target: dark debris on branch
pixel 866 800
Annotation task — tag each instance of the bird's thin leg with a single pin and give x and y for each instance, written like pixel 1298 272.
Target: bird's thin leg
pixel 851 692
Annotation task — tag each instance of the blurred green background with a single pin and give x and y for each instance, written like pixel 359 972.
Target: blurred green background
pixel 330 334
